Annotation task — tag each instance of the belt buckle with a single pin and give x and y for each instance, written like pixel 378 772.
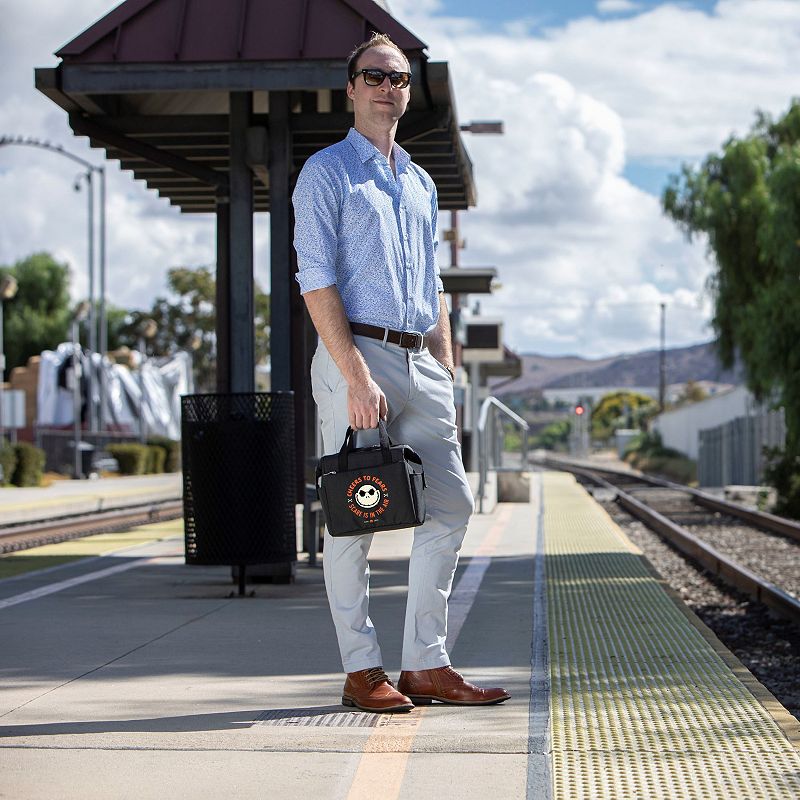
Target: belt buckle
pixel 417 340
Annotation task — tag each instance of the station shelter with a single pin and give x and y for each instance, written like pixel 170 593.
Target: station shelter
pixel 216 105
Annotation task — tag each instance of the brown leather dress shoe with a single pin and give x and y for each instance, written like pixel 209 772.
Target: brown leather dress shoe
pixel 371 690
pixel 447 686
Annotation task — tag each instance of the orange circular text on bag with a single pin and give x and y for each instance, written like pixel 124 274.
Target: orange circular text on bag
pixel 367 498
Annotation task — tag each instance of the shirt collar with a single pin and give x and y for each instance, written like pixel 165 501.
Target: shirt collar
pixel 365 150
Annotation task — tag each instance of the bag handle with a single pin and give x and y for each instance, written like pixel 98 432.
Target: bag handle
pixel 349 444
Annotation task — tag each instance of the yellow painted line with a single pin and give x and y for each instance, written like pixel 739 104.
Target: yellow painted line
pixel 385 757
pixel 50 555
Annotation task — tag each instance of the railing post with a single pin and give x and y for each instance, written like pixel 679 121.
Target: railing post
pixel 494 446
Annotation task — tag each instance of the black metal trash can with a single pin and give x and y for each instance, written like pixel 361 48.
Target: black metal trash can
pixel 239 478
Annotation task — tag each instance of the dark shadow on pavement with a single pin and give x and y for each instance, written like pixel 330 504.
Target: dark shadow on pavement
pixel 192 723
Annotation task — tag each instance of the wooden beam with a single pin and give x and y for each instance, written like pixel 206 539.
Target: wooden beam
pixel 223 76
pixel 86 127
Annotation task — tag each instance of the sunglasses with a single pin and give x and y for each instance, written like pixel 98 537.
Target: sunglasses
pixel 376 77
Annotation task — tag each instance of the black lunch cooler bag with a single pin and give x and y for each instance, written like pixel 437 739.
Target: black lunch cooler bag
pixel 377 488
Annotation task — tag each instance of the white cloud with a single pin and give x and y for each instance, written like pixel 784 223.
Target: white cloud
pixel 585 257
pixel 617 6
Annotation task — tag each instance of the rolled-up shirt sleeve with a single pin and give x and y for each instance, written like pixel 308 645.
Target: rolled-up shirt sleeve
pixel 316 212
pixel 435 233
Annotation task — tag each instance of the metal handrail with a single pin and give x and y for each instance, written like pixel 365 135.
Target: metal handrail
pixel 483 456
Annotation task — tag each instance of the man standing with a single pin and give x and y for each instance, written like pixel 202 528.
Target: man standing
pixel 366 239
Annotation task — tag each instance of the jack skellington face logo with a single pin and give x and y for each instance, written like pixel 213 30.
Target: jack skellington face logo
pixel 367 496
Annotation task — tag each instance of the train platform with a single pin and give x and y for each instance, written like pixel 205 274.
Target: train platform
pixel 127 674
pixel 67 497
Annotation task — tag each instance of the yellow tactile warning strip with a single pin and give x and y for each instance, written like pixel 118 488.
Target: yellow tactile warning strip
pixel 641 705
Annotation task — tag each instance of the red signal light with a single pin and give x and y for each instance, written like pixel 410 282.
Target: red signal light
pixel 579 410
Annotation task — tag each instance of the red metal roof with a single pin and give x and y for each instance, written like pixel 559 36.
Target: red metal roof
pixel 159 31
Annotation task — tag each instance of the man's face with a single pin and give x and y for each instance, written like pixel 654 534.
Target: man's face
pixel 379 105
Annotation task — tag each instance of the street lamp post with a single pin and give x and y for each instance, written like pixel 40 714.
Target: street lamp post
pixel 80 314
pixel 90 168
pixel 452 235
pixel 103 322
pixel 195 343
pixel 147 330
pixel 88 177
pixel 662 360
pixel 8 288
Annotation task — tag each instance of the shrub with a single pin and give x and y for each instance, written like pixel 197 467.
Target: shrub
pixel 512 441
pixel 30 465
pixel 132 458
pixel 172 451
pixel 783 473
pixel 647 453
pixel 8 462
pixel 555 436
pixel 680 469
pixel 156 456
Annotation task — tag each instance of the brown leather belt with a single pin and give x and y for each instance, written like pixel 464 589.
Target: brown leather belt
pixel 412 341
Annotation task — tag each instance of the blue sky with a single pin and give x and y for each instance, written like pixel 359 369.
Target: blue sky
pixel 545 14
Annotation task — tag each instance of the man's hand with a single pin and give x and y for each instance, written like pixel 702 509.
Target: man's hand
pixel 365 403
pixel 438 339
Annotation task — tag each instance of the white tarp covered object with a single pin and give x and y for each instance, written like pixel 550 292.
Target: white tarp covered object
pixel 163 380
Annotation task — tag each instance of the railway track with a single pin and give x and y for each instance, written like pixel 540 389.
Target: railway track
pixel 51 531
pixel 765 564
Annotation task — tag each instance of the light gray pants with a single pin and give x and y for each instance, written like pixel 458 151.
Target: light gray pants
pixel 419 395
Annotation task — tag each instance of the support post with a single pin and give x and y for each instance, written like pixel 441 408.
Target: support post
pixel 241 289
pixel 280 241
pixel 223 283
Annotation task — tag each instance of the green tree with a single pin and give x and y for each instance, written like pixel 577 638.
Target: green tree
pixel 621 410
pixel 745 200
pixel 692 393
pixel 190 323
pixel 37 318
pixel 118 320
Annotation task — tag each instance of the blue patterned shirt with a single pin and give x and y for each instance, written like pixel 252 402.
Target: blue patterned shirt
pixel 370 234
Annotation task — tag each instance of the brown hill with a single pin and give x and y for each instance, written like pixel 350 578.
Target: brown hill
pixel 696 363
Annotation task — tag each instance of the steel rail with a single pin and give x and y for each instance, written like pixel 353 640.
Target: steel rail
pixel 24 536
pixel 728 570
pixel 760 519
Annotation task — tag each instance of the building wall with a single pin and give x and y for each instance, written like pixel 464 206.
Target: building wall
pixel 680 428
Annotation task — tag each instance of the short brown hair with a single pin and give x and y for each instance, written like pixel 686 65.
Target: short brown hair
pixel 376 40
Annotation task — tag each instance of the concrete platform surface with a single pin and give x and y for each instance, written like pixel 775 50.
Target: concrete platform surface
pixel 62 498
pixel 131 675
